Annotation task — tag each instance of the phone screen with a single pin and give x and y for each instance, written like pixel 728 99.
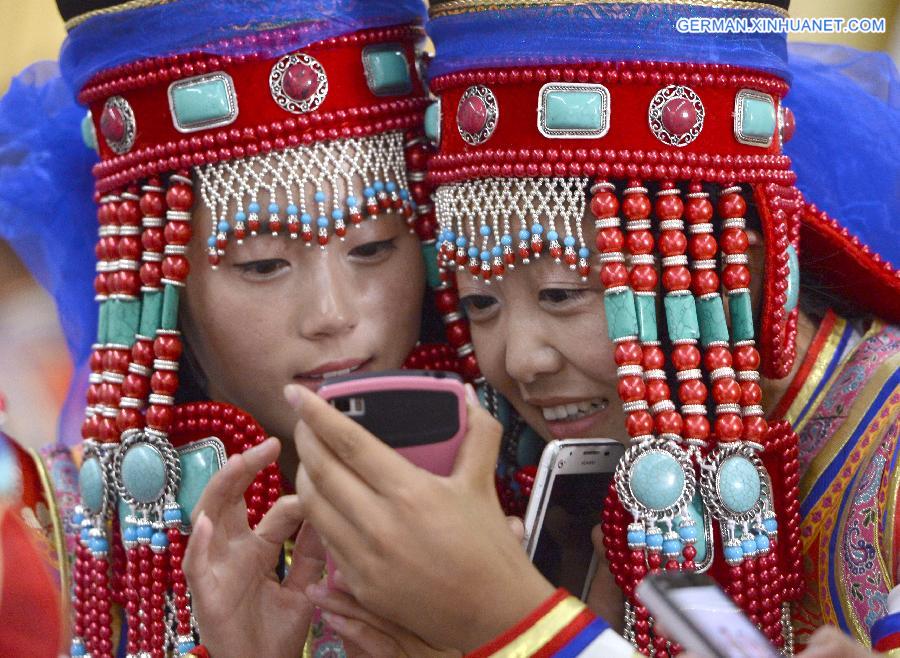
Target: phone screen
pixel 563 551
pixel 722 623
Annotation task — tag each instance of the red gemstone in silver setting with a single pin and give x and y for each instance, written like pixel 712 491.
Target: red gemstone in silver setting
pixel 472 114
pixel 112 124
pixel 300 82
pixel 117 125
pixel 679 115
pixel 477 115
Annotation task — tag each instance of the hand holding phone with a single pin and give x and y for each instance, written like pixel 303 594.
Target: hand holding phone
pixel 421 413
pixel 701 617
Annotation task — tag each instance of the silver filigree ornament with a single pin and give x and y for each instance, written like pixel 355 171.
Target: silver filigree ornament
pixel 298 83
pixel 477 115
pixel 118 125
pixel 662 125
pixel 152 446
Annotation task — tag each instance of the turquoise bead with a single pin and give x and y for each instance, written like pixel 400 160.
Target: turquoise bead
pixel 681 317
pixel 171 298
pixel 144 473
pixel 387 70
pixel 432 272
pixel 748 545
pixel 203 103
pixel 657 480
pixel 793 288
pixel 621 317
pixel 654 539
pixel 198 465
pixel 433 122
pixel 738 484
pixel 741 309
pixel 151 312
pixel 645 305
pixel 762 543
pixel 711 314
pixel 758 119
pixel 733 553
pixel 770 524
pixel 88 133
pixel 90 485
pixel 574 110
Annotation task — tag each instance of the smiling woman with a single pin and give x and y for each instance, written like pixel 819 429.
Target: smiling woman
pixel 262 221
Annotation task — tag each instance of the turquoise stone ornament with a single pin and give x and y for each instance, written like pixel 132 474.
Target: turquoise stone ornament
pixel 144 473
pixel 645 306
pixel 654 538
pixel 734 554
pixel 711 314
pixel 88 132
pixel 433 122
pixel 748 545
pixel 90 485
pixel 432 273
pixel 762 543
pixel 738 484
pixel 741 309
pixel 387 70
pixel 199 462
pixel 657 479
pixel 754 118
pixel 621 316
pixel 681 317
pixel 793 288
pixel 203 102
pixel 573 110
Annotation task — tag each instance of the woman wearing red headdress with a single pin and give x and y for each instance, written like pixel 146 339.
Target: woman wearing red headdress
pixel 259 218
pixel 651 161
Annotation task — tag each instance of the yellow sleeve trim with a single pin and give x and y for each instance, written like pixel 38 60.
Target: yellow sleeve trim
pixel 548 627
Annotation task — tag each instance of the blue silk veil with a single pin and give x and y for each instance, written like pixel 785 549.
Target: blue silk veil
pixel 847 106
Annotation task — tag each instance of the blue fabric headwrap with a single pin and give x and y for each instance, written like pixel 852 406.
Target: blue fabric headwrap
pixel 601 32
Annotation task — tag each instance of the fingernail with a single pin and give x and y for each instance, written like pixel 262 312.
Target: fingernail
pixel 471 395
pixel 334 620
pixel 317 591
pixel 293 395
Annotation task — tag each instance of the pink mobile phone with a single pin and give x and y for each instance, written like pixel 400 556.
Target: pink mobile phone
pixel 420 413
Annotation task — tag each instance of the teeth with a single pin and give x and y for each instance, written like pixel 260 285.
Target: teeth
pixel 573 411
pixel 337 373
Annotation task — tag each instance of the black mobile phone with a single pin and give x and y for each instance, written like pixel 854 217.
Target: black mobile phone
pixel 701 617
pixel 566 501
pixel 421 413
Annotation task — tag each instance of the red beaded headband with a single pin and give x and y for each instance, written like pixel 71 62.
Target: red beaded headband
pixel 172 113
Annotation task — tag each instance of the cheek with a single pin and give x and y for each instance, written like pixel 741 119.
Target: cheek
pixel 391 301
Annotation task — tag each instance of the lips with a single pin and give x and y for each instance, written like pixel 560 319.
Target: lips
pixel 333 369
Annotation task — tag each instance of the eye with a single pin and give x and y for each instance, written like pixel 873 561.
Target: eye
pixel 478 307
pixel 373 251
pixel 261 270
pixel 561 295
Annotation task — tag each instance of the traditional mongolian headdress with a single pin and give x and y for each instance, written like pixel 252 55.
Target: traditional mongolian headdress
pixel 268 114
pixel 553 112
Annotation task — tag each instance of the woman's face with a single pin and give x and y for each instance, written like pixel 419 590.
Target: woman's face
pixel 540 337
pixel 277 312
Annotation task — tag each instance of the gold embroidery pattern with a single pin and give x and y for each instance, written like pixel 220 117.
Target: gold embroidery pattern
pixel 452 7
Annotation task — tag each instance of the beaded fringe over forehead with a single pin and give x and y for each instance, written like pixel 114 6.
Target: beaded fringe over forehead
pixel 316 183
pixel 493 222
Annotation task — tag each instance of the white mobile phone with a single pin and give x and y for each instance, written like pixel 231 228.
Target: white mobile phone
pixel 697 614
pixel 566 500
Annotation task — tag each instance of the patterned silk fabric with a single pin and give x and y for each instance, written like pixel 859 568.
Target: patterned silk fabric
pixel 848 419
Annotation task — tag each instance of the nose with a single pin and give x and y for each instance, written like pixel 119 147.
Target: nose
pixel 328 308
pixel 530 353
